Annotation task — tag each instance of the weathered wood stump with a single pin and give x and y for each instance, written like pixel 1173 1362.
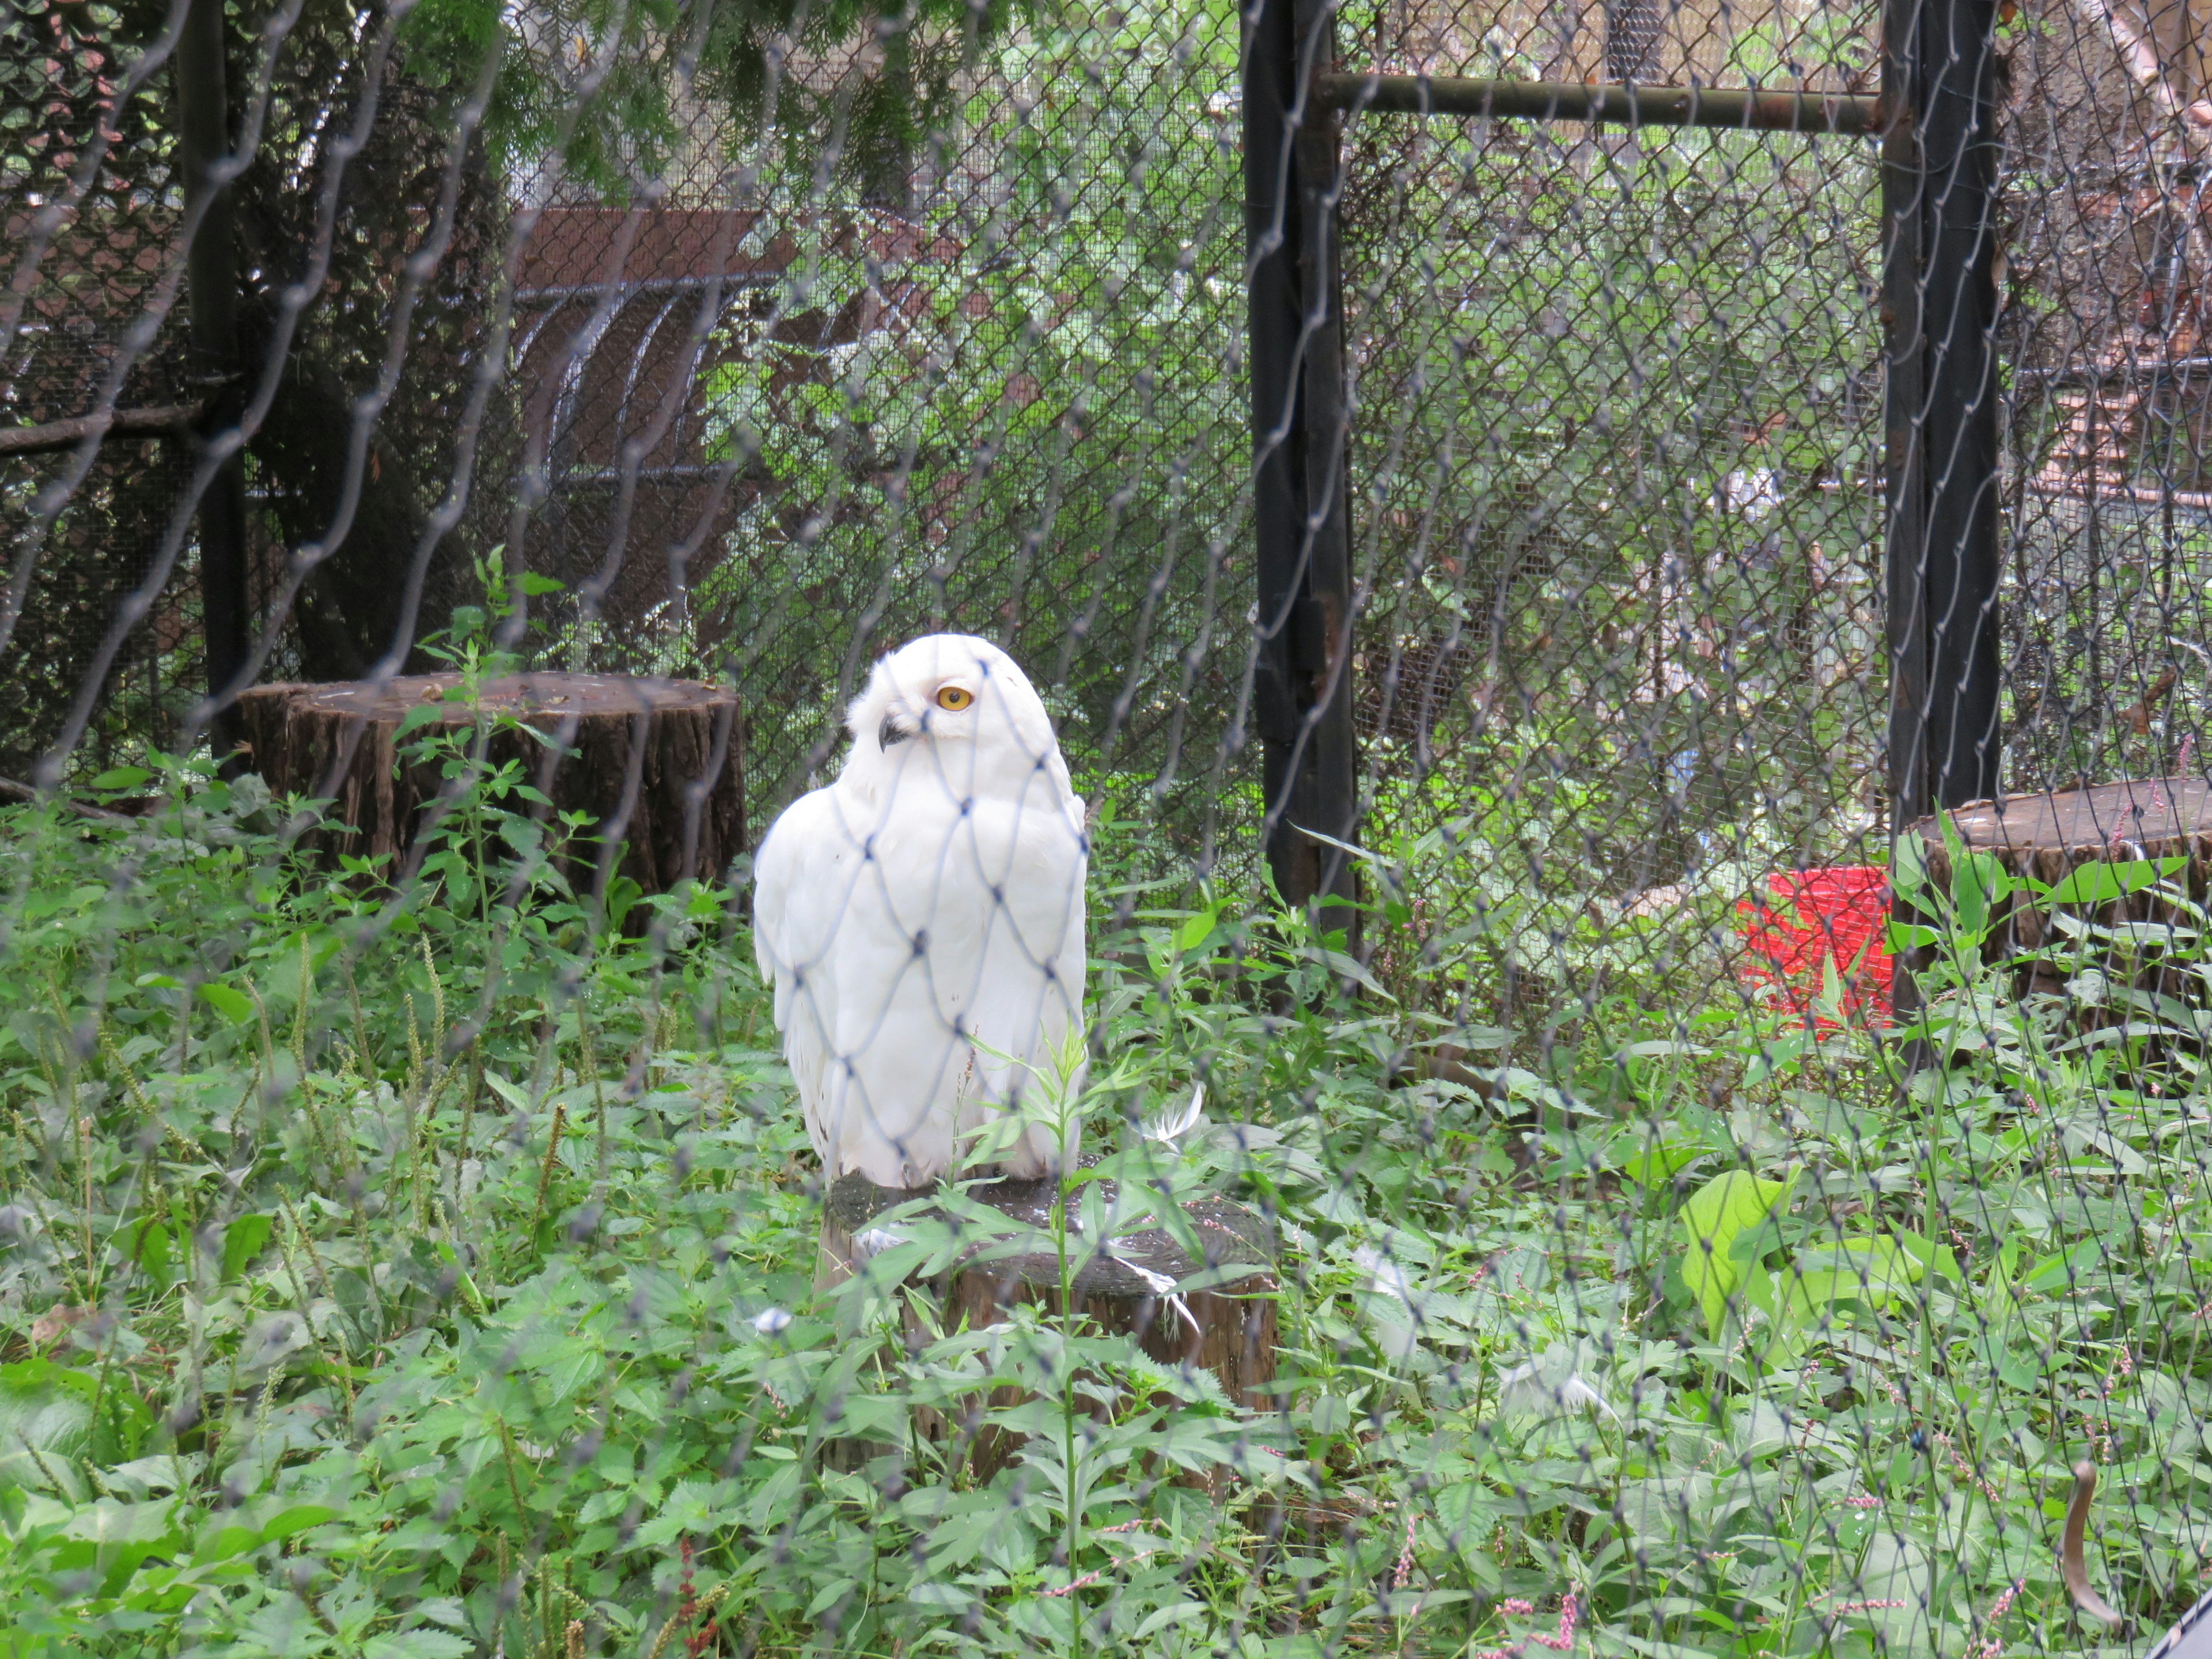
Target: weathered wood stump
pixel 2046 836
pixel 653 764
pixel 1231 1327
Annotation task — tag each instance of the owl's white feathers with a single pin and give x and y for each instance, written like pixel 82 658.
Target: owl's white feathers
pixel 922 918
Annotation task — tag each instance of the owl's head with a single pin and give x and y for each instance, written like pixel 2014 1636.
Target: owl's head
pixel 955 707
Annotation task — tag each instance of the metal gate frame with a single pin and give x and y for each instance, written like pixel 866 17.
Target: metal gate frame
pixel 1936 118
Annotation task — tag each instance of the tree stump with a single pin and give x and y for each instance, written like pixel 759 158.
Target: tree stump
pixel 2044 837
pixel 655 764
pixel 1231 1330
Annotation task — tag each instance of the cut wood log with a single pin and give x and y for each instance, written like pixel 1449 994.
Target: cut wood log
pixel 2044 837
pixel 1228 1328
pixel 655 765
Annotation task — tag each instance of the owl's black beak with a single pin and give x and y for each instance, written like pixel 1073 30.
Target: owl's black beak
pixel 890 731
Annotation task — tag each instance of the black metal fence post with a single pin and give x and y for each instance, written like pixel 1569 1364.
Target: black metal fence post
pixel 1939 299
pixel 1903 405
pixel 211 274
pixel 1302 692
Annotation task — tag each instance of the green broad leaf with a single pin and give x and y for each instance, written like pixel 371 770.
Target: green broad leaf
pixel 422 715
pixel 1955 844
pixel 1776 1056
pixel 1467 1511
pixel 46 1425
pixel 122 777
pixel 1194 931
pixel 1908 868
pixel 1869 1270
pixel 418 1644
pixel 1175 1612
pixel 163 1472
pixel 1768 1291
pixel 1347 967
pixel 1830 1003
pixel 533 584
pixel 234 1005
pixel 146 1245
pixel 1999 1301
pixel 1930 1258
pixel 623 894
pixel 830 1596
pixel 1331 1415
pixel 1978 885
pixel 242 1241
pixel 1911 936
pixel 223 1543
pixel 2056 1275
pixel 445 1610
pixel 1729 1204
pixel 108 1521
pixel 507 1092
pixel 2107 880
pixel 1656 1165
pixel 290 1522
pixel 1756 1243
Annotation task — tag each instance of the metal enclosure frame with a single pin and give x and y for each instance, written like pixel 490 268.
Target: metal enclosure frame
pixel 1936 118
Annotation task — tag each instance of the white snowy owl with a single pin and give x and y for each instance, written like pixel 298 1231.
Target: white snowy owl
pixel 922 918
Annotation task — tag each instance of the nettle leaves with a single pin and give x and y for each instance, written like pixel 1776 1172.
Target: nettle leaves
pixel 1753 1271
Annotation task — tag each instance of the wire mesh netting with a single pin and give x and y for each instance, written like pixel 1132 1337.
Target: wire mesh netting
pixel 999 399
pixel 2105 629
pixel 690 1042
pixel 1619 461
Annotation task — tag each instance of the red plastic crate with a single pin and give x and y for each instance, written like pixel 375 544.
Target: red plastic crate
pixel 1811 918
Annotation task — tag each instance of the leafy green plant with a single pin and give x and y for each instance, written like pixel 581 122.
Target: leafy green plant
pixel 430 1269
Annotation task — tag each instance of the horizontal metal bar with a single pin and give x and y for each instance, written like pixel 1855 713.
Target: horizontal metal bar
pixel 614 475
pixel 118 424
pixel 731 282
pixel 1744 108
pixel 2120 374
pixel 2187 501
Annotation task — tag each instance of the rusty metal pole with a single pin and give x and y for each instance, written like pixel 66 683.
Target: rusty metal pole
pixel 211 278
pixel 1302 692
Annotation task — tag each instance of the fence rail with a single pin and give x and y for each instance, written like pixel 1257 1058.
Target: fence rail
pixel 1744 109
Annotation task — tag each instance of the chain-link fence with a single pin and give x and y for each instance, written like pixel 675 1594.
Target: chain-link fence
pixel 757 407
pixel 1518 471
pixel 2104 645
pixel 1619 467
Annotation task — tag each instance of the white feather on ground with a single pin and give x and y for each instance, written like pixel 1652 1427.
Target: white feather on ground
pixel 922 918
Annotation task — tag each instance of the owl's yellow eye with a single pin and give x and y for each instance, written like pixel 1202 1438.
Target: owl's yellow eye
pixel 952 696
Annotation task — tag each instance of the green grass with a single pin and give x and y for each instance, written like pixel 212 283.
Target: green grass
pixel 394 1275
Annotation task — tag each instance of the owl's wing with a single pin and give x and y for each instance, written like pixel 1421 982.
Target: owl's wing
pixel 800 889
pixel 1007 959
